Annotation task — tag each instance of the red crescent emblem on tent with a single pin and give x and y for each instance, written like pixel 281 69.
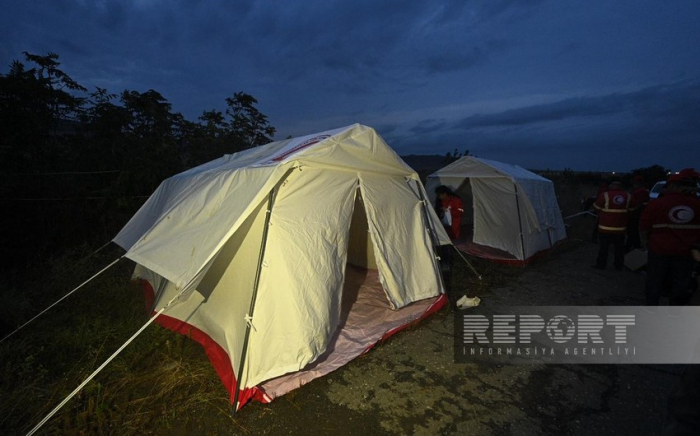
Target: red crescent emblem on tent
pixel 285 154
pixel 304 144
pixel 681 214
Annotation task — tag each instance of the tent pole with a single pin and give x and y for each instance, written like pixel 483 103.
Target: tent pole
pixel 520 222
pixel 263 244
pixel 433 234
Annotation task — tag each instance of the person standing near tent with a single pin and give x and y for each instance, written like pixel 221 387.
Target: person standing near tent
pixel 613 208
pixel 601 189
pixel 671 225
pixel 640 196
pixel 450 209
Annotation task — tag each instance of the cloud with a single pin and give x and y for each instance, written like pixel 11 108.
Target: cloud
pixel 427 127
pixel 617 131
pixel 574 107
pixel 351 49
pixel 462 58
pixel 489 75
pixel 678 102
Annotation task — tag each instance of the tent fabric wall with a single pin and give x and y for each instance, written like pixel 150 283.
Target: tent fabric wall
pixel 515 210
pixel 198 238
pixel 397 255
pixel 306 256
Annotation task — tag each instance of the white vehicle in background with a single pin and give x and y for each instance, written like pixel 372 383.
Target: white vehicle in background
pixel 657 189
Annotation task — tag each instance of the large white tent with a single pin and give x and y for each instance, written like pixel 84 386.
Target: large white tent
pixel 514 210
pixel 265 256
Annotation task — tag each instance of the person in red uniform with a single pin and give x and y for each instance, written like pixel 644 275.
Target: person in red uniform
pixel 671 226
pixel 640 197
pixel 613 208
pixel 450 211
pixel 601 189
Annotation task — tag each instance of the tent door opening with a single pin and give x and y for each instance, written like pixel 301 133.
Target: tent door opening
pixel 365 314
pixel 464 191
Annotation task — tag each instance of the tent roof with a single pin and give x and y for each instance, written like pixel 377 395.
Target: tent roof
pixel 324 148
pixel 173 233
pixel 470 166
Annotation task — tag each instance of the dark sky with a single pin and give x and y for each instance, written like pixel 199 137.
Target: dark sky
pixel 586 84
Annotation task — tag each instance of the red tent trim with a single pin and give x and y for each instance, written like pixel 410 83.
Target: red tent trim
pixel 220 358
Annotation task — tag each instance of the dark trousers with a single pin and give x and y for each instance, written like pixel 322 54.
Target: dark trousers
pixel 668 275
pixel 618 242
pixel 633 239
pixel 594 234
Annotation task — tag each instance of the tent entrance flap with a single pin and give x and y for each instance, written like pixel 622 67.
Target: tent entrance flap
pixel 365 313
pixel 365 320
pixel 430 228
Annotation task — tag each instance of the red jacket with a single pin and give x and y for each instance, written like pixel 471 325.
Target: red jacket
pixel 453 205
pixel 673 223
pixel 640 196
pixel 613 211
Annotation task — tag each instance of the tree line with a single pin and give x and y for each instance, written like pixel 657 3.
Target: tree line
pixel 75 164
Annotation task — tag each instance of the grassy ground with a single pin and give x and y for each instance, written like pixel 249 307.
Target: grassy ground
pixel 159 376
pixel 164 384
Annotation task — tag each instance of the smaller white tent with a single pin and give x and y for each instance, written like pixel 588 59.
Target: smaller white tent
pixel 514 210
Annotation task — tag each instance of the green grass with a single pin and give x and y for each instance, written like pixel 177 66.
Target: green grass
pixel 159 377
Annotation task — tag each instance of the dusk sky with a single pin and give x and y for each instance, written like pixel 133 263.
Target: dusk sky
pixel 606 85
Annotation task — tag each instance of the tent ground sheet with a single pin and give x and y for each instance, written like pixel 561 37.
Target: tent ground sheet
pixel 365 320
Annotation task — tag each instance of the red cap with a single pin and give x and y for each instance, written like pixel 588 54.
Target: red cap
pixel 684 175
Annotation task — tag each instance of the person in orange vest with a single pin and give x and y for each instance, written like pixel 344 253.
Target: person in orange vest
pixel 670 226
pixel 640 196
pixel 450 210
pixel 613 209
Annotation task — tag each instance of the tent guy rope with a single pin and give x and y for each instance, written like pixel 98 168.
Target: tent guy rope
pixel 585 212
pixel 62 298
pixel 476 273
pixel 106 362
